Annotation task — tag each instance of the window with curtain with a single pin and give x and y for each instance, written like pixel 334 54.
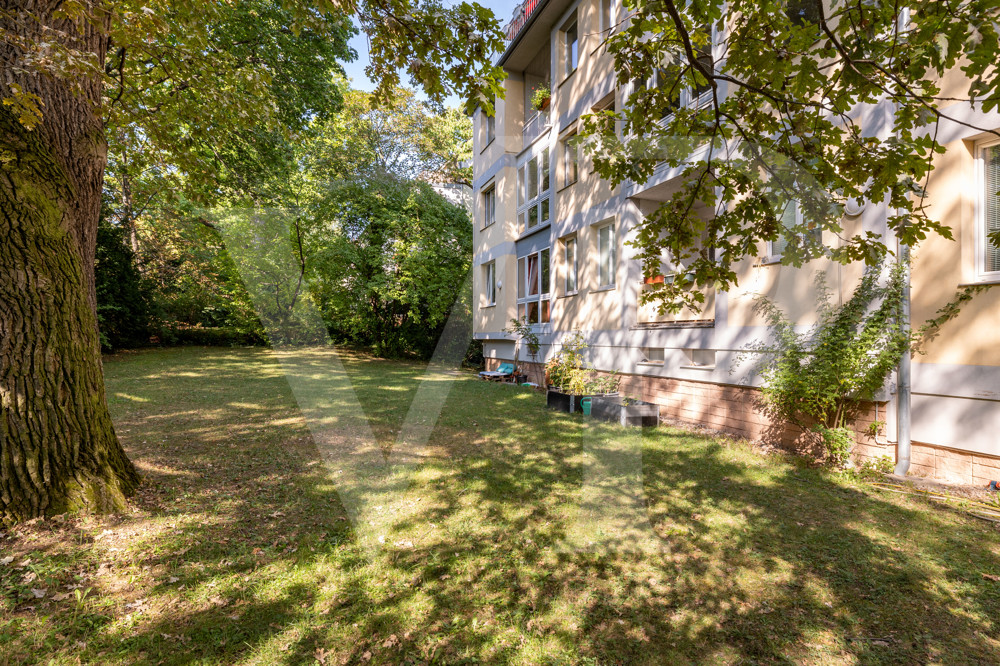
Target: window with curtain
pixel 489 206
pixel 534 287
pixel 990 208
pixel 571 46
pixel 569 256
pixel 491 283
pixel 791 217
pixel 606 255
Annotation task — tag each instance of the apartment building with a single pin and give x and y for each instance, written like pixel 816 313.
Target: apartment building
pixel 551 248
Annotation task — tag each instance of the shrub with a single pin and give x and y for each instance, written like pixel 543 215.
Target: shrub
pixel 819 379
pixel 568 372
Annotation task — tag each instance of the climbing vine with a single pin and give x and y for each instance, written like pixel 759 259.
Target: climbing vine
pixel 819 379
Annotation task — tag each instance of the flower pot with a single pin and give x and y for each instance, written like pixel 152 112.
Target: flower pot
pixel 615 409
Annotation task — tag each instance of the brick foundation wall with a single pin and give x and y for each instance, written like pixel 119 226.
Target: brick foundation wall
pixel 733 409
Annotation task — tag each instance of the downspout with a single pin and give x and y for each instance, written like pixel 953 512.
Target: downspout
pixel 903 375
pixel 903 372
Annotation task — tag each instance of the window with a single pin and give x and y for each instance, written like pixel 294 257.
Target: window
pixel 667 78
pixel 803 12
pixel 606 255
pixel 988 222
pixel 791 217
pixel 607 16
pixel 489 206
pixel 491 129
pixel 701 94
pixel 533 192
pixel 653 355
pixel 570 160
pixel 534 288
pixel 490 271
pixel 571 47
pixel 572 270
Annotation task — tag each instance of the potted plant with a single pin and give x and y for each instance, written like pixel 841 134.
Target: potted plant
pixel 541 98
pixel 569 380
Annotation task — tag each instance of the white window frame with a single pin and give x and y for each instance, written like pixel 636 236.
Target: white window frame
pixel 570 160
pixel 686 99
pixel 571 259
pixel 489 199
pixel 490 271
pixel 608 12
pixel 541 203
pixel 612 267
pixel 774 257
pixel 490 128
pixel 981 241
pixel 543 297
pixel 569 58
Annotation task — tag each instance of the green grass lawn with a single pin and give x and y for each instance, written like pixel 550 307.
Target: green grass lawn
pixel 239 549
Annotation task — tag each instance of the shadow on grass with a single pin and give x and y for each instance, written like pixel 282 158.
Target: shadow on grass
pixel 760 559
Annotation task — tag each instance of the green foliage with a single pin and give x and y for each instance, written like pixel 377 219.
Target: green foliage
pixel 875 469
pixel 837 442
pixel 540 97
pixel 388 260
pixel 819 378
pixel 568 371
pixel 123 295
pixel 794 76
pixel 524 332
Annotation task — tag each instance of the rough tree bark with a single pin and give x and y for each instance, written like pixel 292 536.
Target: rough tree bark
pixel 58 448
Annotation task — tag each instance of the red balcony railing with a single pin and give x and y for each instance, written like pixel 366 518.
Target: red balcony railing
pixel 521 15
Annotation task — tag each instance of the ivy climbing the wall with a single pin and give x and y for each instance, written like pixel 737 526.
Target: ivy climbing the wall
pixel 818 379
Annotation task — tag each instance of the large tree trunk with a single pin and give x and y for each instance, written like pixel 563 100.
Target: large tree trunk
pixel 58 448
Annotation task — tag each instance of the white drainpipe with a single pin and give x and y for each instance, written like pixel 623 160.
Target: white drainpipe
pixel 903 376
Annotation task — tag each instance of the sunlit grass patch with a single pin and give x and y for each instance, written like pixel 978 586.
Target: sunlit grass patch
pixel 239 550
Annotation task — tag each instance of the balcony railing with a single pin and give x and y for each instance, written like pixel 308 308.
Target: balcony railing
pixel 534 127
pixel 521 15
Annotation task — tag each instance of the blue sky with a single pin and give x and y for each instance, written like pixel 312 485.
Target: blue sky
pixel 356 70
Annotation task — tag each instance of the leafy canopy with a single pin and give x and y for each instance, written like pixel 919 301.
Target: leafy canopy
pixel 778 121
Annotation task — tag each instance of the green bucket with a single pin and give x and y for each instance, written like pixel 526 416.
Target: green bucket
pixel 585 406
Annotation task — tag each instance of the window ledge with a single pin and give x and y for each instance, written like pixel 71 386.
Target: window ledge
pixel 487 146
pixel 567 186
pixel 650 364
pixel 568 294
pixel 986 281
pixel 697 367
pixel 607 287
pixel 487 307
pixel 568 76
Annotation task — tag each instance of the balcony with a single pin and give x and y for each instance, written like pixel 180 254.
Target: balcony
pixel 521 15
pixel 534 127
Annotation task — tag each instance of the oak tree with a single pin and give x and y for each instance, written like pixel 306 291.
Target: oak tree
pixel 171 72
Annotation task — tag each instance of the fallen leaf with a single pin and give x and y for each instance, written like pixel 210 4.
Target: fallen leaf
pixel 7 560
pixel 38 593
pixel 991 577
pixel 60 596
pixel 366 656
pixel 392 641
pixel 172 579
